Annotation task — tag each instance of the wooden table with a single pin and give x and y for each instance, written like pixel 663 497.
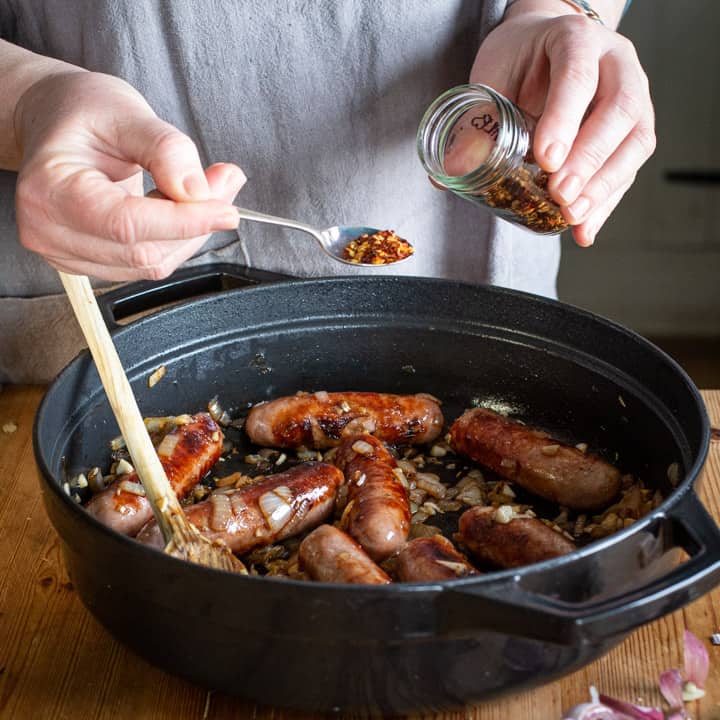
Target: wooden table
pixel 56 661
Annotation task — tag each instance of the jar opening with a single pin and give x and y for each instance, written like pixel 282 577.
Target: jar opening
pixel 470 136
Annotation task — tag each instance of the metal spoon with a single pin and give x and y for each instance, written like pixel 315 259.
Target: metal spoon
pixel 333 240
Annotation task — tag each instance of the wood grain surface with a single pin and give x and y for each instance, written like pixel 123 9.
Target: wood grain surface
pixel 56 661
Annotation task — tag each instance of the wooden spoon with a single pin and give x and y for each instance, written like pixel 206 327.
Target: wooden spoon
pixel 183 540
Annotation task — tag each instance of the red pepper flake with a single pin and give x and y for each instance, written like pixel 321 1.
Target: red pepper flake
pixel 380 248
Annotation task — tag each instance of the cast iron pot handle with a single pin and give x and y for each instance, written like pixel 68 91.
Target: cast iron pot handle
pixel 181 285
pixel 512 609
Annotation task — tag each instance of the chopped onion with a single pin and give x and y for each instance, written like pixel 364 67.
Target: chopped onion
pixel 217 413
pixel 79 481
pixel 673 474
pixel 322 396
pixel 438 451
pixel 503 515
pixel 430 483
pixel 549 450
pixel 123 467
pixel 132 487
pixel 359 479
pixel 400 476
pixel 168 444
pixel 456 567
pixel 156 376
pixel 276 508
pixel 221 512
pixel 363 448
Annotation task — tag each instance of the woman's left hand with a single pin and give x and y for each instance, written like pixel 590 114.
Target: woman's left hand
pixel 586 86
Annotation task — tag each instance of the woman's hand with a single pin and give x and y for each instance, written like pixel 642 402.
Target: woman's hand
pixel 585 84
pixel 85 139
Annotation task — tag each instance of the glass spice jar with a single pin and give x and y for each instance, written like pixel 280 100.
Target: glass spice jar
pixel 478 144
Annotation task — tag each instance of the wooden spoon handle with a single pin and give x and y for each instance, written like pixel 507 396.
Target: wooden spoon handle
pixel 159 492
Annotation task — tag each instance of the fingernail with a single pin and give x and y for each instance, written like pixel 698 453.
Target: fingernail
pixel 555 154
pixel 227 220
pixel 569 188
pixel 579 209
pixel 196 187
pixel 235 177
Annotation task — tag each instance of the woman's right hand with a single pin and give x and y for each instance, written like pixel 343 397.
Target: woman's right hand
pixel 85 139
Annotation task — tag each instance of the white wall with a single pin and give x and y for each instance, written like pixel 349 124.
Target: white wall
pixel 656 263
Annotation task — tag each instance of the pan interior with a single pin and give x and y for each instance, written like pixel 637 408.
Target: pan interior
pixel 577 376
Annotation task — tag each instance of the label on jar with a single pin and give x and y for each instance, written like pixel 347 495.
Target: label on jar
pixel 471 140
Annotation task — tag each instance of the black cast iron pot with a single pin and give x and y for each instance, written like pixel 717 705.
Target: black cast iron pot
pixel 401 647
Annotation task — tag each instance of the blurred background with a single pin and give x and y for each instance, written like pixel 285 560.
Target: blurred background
pixel 655 266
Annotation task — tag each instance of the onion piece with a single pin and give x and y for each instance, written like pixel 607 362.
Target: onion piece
pixel 168 444
pixel 124 467
pixel 222 512
pixel 362 448
pixel 156 376
pixel 276 508
pixel 217 413
pixel 134 488
pixel 635 712
pixel 457 568
pixel 697 662
pixel 430 483
pixel 400 477
pixel 671 687
pixel 503 515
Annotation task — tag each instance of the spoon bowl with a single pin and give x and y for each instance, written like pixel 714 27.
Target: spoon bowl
pixel 333 240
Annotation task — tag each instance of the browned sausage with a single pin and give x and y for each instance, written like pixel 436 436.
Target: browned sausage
pixel 521 541
pixel 272 509
pixel 431 559
pixel 534 461
pixel 378 511
pixel 328 554
pixel 321 420
pixel 186 454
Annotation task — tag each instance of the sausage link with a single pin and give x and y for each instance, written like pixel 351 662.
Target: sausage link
pixel 431 559
pixel 328 554
pixel 272 509
pixel 534 461
pixel 321 420
pixel 521 541
pixel 186 454
pixel 377 514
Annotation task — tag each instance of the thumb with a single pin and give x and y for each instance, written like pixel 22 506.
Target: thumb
pixel 225 181
pixel 167 154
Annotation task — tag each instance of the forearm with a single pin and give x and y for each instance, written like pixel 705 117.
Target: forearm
pixel 19 70
pixel 609 10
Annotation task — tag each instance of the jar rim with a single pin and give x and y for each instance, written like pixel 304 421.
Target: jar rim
pixel 439 119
